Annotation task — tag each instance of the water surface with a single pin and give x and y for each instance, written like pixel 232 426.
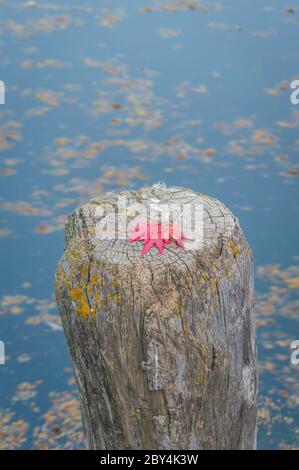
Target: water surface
pixel 104 95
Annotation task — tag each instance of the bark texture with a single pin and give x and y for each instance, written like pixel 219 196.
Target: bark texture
pixel 163 347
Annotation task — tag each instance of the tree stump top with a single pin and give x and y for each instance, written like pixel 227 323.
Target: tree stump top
pixel 85 224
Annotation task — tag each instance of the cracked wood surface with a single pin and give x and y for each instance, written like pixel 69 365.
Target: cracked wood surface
pixel 163 347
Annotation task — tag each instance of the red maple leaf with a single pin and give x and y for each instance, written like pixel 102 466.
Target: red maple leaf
pixel 157 235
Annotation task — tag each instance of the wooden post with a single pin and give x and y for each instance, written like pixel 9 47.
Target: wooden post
pixel 163 346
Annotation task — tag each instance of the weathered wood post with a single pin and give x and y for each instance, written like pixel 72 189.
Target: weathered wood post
pixel 163 346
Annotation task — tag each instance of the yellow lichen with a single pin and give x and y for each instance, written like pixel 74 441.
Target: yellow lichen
pixel 185 327
pixel 98 299
pixel 84 270
pixel 234 248
pixel 94 288
pixel 118 297
pixel 137 414
pixel 78 296
pixel 95 279
pixel 114 284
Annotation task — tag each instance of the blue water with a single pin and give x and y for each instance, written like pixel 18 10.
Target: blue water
pixel 193 98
